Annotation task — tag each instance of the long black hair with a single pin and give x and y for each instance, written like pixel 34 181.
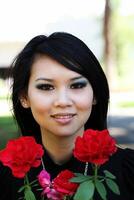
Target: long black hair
pixel 74 55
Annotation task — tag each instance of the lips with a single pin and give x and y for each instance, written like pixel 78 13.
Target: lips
pixel 63 118
pixel 63 115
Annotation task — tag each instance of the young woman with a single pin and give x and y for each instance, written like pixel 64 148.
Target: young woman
pixel 60 90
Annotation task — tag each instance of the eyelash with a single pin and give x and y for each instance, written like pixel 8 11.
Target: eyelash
pixel 48 87
pixel 78 85
pixel 45 86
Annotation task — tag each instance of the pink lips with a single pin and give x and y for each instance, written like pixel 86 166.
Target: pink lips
pixel 63 118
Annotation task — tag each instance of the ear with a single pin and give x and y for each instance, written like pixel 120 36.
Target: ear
pixel 24 101
pixel 94 101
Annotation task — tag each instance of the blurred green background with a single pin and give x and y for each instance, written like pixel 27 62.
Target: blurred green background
pixel 8 126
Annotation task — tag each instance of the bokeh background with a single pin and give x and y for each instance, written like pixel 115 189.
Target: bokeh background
pixel 106 26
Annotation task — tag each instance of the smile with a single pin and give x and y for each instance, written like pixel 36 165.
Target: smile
pixel 63 115
pixel 63 118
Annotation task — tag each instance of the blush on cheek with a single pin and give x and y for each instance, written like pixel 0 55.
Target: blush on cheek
pixel 85 103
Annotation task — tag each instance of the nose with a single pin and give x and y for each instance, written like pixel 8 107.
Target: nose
pixel 63 98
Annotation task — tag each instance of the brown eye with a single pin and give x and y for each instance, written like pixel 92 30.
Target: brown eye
pixel 78 85
pixel 45 87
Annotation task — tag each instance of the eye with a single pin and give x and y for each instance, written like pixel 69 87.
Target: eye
pixel 45 86
pixel 78 85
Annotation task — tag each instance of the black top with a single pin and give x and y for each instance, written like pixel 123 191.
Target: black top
pixel 121 164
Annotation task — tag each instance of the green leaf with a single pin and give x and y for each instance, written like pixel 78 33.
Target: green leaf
pixel 80 179
pixel 85 191
pixel 113 186
pixel 100 177
pixel 101 189
pixel 35 185
pixel 31 183
pixel 109 174
pixel 22 188
pixel 78 174
pixel 29 195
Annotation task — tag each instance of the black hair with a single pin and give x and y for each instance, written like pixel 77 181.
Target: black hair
pixel 74 55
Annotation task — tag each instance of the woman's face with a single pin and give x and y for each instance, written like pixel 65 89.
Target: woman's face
pixel 60 99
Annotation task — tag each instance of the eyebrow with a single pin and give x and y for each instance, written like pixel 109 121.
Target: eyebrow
pixel 51 80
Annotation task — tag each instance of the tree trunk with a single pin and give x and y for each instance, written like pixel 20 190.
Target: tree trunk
pixel 108 46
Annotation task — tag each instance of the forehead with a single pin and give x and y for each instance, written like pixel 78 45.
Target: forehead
pixel 44 65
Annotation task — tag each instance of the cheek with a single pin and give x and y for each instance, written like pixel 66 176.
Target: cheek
pixel 85 107
pixel 85 101
pixel 40 110
pixel 39 104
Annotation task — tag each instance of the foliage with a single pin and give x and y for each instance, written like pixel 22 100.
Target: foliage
pixel 123 39
pixel 126 104
pixel 8 130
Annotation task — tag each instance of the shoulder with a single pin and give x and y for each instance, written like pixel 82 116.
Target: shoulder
pixel 124 161
pixel 5 176
pixel 5 182
pixel 8 184
pixel 127 161
pixel 4 171
pixel 124 157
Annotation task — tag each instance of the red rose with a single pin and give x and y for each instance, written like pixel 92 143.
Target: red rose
pixel 95 146
pixel 62 185
pixel 21 154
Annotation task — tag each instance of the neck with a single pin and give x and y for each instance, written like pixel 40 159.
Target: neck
pixel 59 148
